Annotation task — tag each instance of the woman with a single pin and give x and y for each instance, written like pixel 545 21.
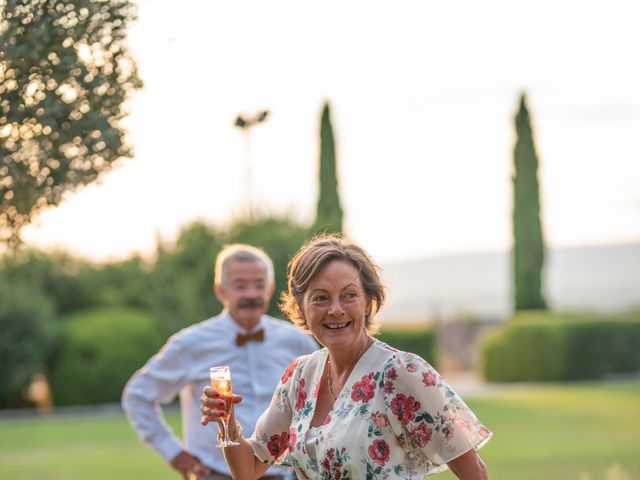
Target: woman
pixel 357 408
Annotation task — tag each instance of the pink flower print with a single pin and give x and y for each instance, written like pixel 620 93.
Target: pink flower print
pixel 302 395
pixel 379 451
pixel 412 367
pixel 449 430
pixel 364 389
pixel 292 439
pixel 388 387
pixel 404 407
pixel 277 444
pixel 289 371
pixel 447 427
pixel 379 419
pixel 421 435
pixel 429 378
pixel 391 374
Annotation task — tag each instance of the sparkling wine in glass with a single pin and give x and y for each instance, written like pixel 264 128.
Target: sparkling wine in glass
pixel 221 381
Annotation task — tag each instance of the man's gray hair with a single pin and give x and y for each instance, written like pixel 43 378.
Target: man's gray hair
pixel 240 252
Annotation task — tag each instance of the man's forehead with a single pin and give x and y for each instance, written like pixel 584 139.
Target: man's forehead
pixel 246 267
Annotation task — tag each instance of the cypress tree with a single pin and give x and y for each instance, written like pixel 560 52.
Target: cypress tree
pixel 328 212
pixel 528 246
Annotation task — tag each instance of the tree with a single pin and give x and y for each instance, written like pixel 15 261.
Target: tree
pixel 26 338
pixel 97 352
pixel 280 238
pixel 57 276
pixel 180 283
pixel 65 77
pixel 328 212
pixel 528 246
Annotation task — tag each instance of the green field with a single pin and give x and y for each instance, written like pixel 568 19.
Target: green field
pixel 576 432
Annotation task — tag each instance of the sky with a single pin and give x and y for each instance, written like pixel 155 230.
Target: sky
pixel 423 96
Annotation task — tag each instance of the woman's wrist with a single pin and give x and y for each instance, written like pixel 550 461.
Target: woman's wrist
pixel 237 433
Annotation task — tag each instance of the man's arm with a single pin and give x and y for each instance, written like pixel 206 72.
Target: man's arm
pixel 158 382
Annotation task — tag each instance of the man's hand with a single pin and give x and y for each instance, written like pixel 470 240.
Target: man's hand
pixel 188 464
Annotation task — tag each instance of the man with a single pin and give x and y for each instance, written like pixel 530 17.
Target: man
pixel 255 346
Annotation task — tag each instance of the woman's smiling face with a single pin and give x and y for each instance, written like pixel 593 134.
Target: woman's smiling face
pixel 335 305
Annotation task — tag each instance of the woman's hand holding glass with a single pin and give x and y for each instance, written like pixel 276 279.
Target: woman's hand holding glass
pixel 216 404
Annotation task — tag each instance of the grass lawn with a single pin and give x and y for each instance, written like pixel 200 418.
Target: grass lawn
pixel 555 432
pixel 558 432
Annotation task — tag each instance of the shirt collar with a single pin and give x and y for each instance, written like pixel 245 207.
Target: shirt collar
pixel 236 328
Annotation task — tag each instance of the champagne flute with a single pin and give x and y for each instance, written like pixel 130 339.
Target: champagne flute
pixel 221 381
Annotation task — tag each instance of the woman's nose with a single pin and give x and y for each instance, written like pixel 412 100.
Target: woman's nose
pixel 335 308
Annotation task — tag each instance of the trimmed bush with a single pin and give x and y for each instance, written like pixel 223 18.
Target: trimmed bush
pixel 26 335
pixel 97 353
pixel 420 342
pixel 555 347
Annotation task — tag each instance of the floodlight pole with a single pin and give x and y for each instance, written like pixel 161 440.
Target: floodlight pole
pixel 245 123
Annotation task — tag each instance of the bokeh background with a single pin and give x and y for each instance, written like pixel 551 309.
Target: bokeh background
pixel 418 103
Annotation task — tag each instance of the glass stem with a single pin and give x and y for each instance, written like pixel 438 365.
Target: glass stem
pixel 225 426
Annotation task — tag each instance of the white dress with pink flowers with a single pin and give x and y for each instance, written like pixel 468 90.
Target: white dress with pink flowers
pixel 395 418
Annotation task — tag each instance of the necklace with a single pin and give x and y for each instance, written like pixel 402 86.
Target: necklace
pixel 329 376
pixel 329 381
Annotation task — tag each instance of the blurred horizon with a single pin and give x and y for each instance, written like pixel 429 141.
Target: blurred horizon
pixel 596 279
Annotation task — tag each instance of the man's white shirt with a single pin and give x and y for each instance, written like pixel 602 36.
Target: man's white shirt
pixel 182 368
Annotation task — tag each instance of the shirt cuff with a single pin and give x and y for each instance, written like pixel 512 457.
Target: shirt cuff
pixel 168 447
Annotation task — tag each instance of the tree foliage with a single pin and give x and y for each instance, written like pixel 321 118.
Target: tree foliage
pixel 329 211
pixel 65 76
pixel 97 351
pixel 26 336
pixel 57 276
pixel 528 245
pixel 85 305
pixel 280 238
pixel 179 290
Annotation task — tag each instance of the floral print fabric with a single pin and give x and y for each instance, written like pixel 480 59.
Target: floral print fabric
pixel 396 418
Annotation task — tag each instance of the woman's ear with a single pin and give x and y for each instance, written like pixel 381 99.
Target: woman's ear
pixel 367 313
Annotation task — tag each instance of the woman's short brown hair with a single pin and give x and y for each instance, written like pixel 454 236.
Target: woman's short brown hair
pixel 313 256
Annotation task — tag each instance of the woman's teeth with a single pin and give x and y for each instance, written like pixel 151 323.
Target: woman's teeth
pixel 336 326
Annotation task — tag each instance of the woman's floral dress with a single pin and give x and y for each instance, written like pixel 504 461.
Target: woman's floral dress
pixel 395 418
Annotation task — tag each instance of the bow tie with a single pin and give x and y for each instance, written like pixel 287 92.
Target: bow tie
pixel 241 339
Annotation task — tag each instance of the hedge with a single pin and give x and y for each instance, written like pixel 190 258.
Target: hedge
pixel 420 342
pixel 555 347
pixel 98 351
pixel 26 335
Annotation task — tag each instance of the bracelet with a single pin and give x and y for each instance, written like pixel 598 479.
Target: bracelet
pixel 238 433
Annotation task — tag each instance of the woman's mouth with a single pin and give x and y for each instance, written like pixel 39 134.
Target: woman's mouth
pixel 337 326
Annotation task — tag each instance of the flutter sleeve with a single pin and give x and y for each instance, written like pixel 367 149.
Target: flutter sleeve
pixel 430 420
pixel 270 440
